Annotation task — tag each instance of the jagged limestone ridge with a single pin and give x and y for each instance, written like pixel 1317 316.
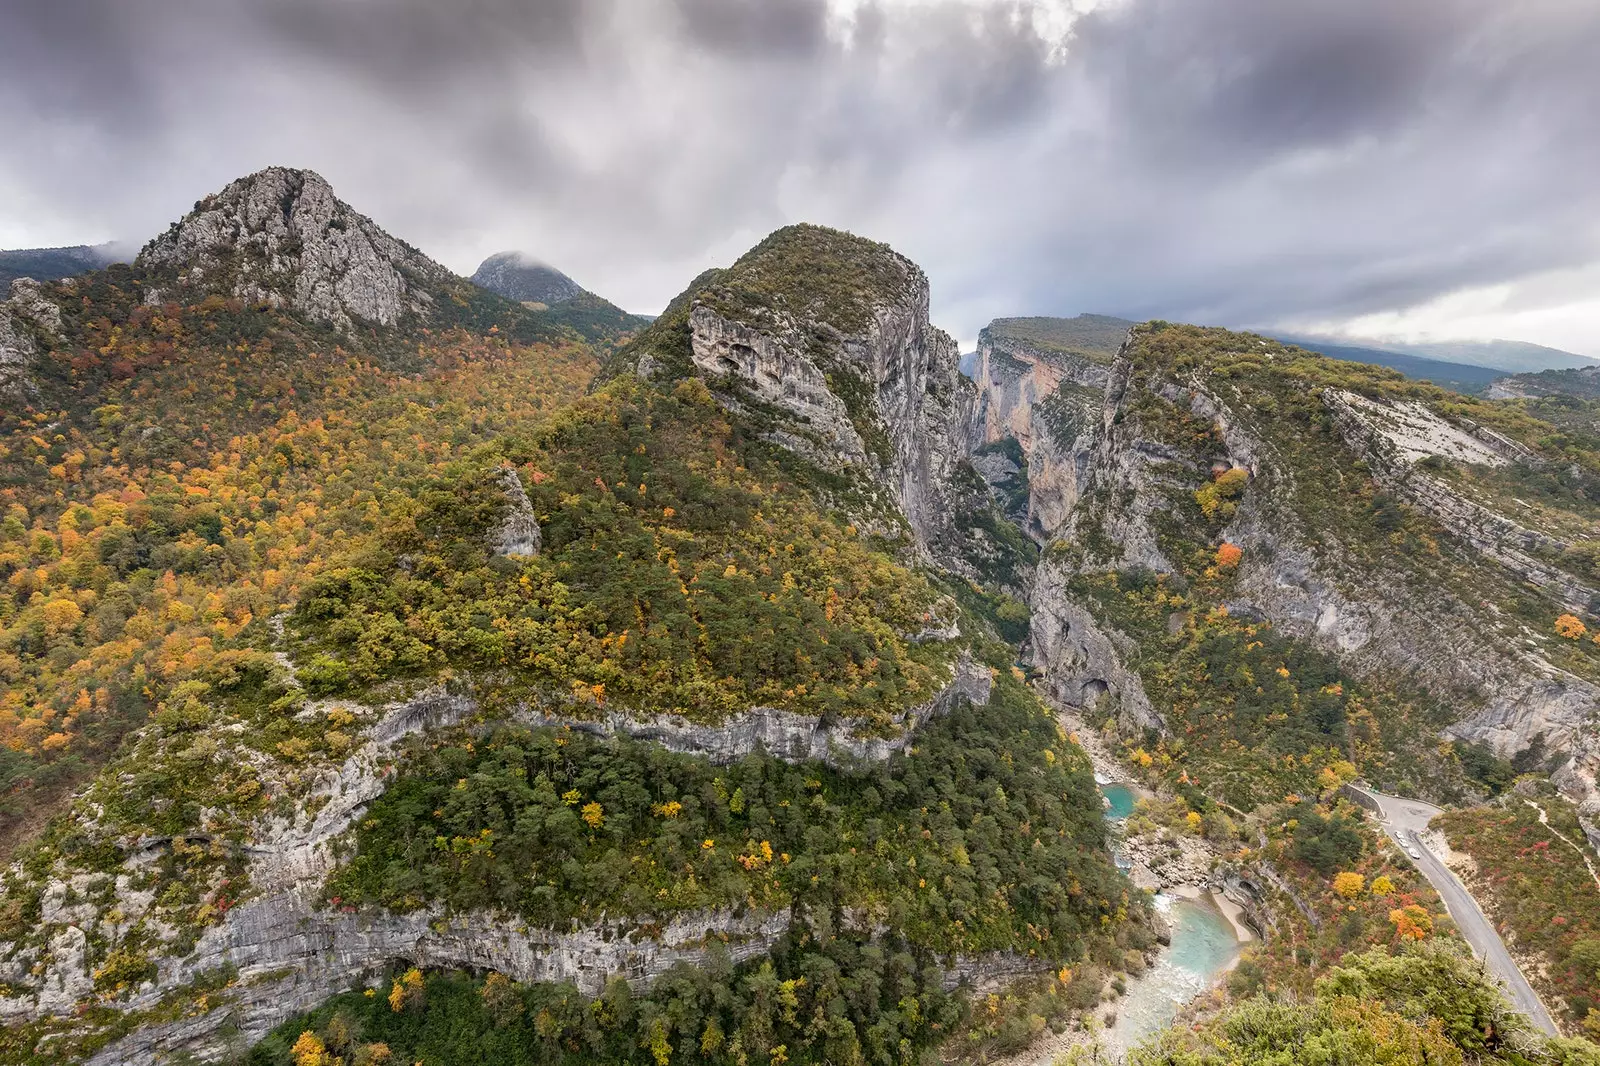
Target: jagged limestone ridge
pixel 282 238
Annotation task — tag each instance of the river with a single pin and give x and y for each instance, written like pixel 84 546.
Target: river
pixel 1204 947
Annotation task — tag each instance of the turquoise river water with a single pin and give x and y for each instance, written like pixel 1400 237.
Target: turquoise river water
pixel 1203 948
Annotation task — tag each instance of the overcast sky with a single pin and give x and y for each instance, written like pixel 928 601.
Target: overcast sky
pixel 1387 166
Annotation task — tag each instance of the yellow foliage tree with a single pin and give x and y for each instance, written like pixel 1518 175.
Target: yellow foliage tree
pixel 309 1050
pixel 407 992
pixel 1349 885
pixel 1571 627
pixel 1382 886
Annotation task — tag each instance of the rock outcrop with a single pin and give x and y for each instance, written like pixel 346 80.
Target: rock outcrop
pixel 280 237
pixel 518 534
pixel 26 319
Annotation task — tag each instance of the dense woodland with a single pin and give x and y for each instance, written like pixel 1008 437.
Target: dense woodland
pixel 204 462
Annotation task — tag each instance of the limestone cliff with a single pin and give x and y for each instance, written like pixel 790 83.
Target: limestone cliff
pixel 1047 400
pixel 27 319
pixel 1440 618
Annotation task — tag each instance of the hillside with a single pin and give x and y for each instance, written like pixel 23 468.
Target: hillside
pixel 1327 510
pixel 393 669
pixel 1458 377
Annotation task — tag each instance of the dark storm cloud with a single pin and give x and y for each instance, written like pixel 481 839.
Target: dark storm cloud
pixel 1231 160
pixel 743 29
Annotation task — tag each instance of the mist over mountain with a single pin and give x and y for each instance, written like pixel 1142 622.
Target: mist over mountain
pixel 50 264
pixel 517 276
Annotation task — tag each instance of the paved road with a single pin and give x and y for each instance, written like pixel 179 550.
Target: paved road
pixel 1403 819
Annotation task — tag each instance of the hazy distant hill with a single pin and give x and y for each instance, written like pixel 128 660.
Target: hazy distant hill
pixel 1518 356
pixel 1458 376
pixel 51 264
pixel 1515 357
pixel 518 276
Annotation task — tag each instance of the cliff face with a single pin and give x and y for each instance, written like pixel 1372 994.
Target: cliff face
pixel 865 384
pixel 288 950
pixel 1048 402
pixel 282 238
pixel 1438 619
pixel 26 319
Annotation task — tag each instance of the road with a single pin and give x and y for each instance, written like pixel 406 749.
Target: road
pixel 1404 819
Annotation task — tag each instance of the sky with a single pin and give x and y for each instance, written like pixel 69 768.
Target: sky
pixel 1383 168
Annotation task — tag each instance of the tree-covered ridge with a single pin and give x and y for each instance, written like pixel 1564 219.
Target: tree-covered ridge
pixel 988 837
pixel 813 273
pixel 1427 1005
pixel 1533 867
pixel 681 573
pixel 213 458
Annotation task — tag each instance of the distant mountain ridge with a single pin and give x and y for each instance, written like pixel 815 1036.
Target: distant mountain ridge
pixel 1514 357
pixel 541 287
pixel 1461 377
pixel 52 264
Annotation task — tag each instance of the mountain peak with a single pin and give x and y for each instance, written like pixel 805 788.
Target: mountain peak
pixel 521 277
pixel 281 237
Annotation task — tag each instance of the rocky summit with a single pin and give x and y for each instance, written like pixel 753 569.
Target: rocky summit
pixel 280 237
pixel 399 671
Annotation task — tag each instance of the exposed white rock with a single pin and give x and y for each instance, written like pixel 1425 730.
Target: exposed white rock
pixel 1411 431
pixel 25 318
pixel 282 238
pixel 920 400
pixel 518 535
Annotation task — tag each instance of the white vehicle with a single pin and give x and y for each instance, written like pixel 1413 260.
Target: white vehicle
pixel 1413 852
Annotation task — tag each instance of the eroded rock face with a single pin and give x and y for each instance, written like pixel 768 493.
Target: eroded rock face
pixel 1084 664
pixel 1396 439
pixel 292 951
pixel 889 400
pixel 1050 404
pixel 26 318
pixel 282 238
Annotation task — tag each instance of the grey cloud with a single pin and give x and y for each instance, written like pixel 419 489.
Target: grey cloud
pixel 1231 160
pixel 744 30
